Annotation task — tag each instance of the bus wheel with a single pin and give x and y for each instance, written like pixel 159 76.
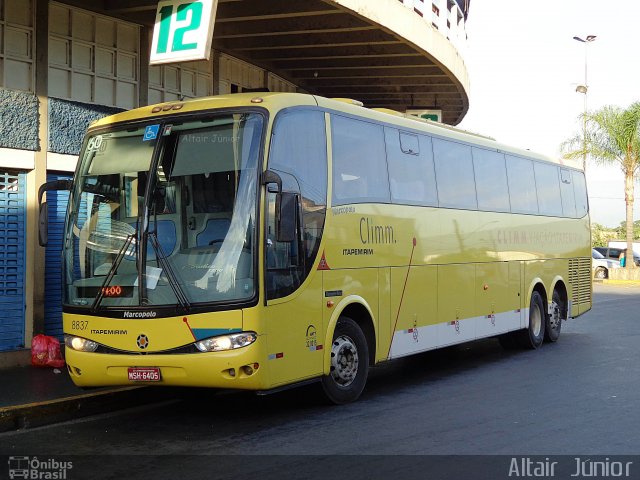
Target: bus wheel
pixel 533 336
pixel 554 321
pixel 349 363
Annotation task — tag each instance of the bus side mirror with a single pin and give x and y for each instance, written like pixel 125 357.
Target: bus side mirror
pixel 43 212
pixel 286 208
pixel 286 216
pixel 270 176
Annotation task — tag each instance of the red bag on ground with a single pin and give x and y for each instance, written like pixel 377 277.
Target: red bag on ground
pixel 45 352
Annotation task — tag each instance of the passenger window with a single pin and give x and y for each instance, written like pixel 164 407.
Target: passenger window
pixel 580 189
pixel 299 147
pixel 454 174
pixel 299 154
pixel 567 194
pixel 491 180
pixel 522 185
pixel 411 172
pixel 359 162
pixel 285 272
pixel 548 189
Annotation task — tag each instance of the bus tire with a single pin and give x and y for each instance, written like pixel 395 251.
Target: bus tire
pixel 533 336
pixel 349 363
pixel 553 323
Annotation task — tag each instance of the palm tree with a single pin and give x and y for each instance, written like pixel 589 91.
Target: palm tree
pixel 612 136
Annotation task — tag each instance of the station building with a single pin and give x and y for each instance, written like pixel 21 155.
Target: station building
pixel 64 64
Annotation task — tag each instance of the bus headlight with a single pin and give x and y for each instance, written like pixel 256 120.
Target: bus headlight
pixel 226 342
pixel 80 344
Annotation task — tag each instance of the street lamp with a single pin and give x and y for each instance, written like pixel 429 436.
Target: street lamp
pixel 584 89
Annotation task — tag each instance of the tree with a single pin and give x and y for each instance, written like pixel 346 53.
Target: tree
pixel 621 231
pixel 600 235
pixel 612 137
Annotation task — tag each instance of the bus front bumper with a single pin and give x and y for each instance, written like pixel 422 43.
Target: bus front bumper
pixel 237 369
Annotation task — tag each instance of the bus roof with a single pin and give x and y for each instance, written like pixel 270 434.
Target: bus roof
pixel 275 101
pixel 270 101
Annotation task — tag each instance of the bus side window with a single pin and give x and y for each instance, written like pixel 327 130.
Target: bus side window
pixel 454 173
pixel 491 180
pixel 298 153
pixel 283 260
pixel 567 194
pixel 548 188
pixel 359 162
pixel 411 171
pixel 580 190
pixel 522 186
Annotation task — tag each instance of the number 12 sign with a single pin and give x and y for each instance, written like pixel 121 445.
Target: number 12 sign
pixel 183 31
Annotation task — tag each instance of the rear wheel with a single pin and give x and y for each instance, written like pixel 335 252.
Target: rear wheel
pixel 533 336
pixel 349 363
pixel 554 320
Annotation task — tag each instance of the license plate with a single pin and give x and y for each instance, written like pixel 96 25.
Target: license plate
pixel 144 374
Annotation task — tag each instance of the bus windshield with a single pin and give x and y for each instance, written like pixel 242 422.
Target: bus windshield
pixel 164 214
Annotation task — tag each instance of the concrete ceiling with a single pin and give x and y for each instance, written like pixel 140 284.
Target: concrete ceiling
pixel 329 49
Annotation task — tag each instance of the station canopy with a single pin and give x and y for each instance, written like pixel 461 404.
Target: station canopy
pixel 334 48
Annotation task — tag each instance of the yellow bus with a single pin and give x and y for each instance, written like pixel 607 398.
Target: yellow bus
pixel 260 241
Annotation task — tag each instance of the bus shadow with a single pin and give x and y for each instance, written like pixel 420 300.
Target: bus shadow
pixel 386 378
pixel 436 365
pixel 220 415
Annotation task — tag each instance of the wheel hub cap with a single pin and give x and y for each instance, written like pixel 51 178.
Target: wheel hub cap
pixel 536 321
pixel 344 361
pixel 555 319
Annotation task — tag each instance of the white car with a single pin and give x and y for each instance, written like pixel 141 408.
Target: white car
pixel 601 265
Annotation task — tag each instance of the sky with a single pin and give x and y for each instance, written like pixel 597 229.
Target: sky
pixel 524 66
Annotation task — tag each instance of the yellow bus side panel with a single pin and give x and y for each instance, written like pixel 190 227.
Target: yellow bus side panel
pixel 456 302
pixel 546 271
pixel 386 315
pixel 295 334
pixel 516 303
pixel 414 304
pixel 361 283
pixel 492 297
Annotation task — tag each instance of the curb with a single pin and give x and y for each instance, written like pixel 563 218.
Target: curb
pixel 630 283
pixel 38 414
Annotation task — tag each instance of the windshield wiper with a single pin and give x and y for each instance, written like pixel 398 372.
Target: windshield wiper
pixel 112 271
pixel 171 276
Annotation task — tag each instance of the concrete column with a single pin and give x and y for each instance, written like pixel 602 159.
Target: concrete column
pixel 145 49
pixel 215 61
pixel 35 258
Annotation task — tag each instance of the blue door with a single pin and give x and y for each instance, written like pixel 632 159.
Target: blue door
pixel 12 259
pixel 57 202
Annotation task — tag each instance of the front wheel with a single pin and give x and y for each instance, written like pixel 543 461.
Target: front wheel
pixel 349 363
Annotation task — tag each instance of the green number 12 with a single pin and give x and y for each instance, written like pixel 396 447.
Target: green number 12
pixel 178 37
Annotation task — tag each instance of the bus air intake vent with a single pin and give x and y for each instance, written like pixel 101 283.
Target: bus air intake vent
pixel 580 280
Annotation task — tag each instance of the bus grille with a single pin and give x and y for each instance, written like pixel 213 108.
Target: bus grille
pixel 580 280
